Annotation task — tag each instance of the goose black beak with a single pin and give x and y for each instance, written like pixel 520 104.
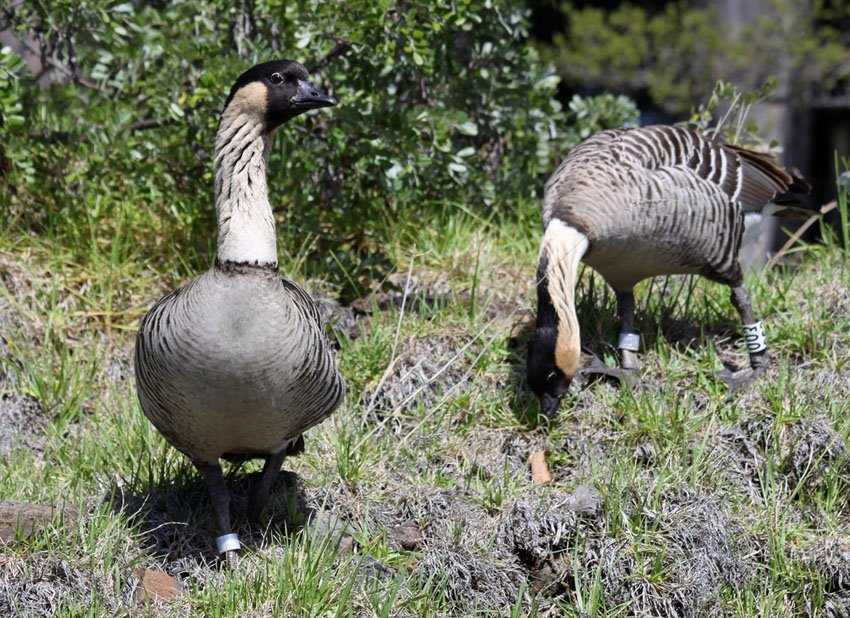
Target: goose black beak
pixel 549 405
pixel 308 97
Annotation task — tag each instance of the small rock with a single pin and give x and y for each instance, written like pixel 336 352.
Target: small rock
pixel 156 586
pixel 346 546
pixel 408 535
pixel 585 500
pixel 25 518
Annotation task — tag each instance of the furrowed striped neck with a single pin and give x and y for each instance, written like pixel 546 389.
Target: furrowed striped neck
pixel 564 246
pixel 246 228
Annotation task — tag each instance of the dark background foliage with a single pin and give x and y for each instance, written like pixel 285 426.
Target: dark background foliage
pixel 668 54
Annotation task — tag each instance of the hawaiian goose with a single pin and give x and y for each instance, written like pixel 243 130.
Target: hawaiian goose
pixel 235 363
pixel 634 203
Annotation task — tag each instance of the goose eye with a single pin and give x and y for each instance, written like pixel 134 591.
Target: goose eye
pixel 275 78
pixel 551 376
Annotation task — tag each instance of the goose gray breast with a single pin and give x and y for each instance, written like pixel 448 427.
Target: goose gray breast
pixel 235 362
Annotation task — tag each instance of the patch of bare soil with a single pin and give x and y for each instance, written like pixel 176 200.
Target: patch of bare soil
pixel 425 371
pixel 22 419
pixel 43 584
pixel 473 582
pixel 815 450
pixel 453 546
pixel 829 558
pixel 569 548
pixel 118 368
pixel 22 423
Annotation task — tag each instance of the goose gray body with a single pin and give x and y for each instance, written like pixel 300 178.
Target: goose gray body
pixel 235 363
pixel 635 203
pixel 661 200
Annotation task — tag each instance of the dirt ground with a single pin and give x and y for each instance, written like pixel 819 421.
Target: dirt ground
pixel 548 542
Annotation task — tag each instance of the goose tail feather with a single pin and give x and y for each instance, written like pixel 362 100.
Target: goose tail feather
pixel 766 181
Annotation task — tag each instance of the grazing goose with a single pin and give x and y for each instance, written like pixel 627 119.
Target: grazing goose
pixel 634 203
pixel 235 364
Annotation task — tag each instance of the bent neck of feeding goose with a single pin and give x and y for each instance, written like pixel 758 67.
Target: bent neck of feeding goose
pixel 562 249
pixel 246 229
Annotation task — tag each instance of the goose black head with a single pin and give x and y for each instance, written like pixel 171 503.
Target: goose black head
pixel 275 92
pixel 544 377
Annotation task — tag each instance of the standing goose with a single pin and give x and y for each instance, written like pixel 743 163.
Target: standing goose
pixel 235 363
pixel 635 203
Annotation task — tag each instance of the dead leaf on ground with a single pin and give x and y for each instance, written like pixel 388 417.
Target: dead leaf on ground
pixel 539 468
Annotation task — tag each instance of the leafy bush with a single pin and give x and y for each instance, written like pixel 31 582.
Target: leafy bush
pixel 443 106
pixel 11 66
pixel 597 113
pixel 667 53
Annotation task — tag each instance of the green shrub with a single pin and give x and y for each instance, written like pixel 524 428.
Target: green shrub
pixel 443 107
pixel 11 109
pixel 597 113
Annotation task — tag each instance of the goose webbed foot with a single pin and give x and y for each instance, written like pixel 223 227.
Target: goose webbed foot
pixel 741 379
pixel 737 381
pixel 592 366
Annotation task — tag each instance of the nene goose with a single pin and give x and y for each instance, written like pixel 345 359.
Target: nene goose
pixel 235 364
pixel 634 203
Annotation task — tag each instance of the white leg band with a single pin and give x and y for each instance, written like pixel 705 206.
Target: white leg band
pixel 755 338
pixel 227 542
pixel 629 341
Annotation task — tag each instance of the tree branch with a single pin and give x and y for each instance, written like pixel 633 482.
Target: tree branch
pixel 340 48
pixel 147 123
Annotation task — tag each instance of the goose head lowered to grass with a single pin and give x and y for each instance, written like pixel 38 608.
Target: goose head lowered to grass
pixel 635 203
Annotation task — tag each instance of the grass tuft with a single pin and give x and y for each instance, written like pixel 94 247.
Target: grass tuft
pixel 667 499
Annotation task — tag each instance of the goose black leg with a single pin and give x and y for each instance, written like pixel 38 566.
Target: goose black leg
pixel 260 490
pixel 629 342
pixel 228 542
pixel 628 345
pixel 755 340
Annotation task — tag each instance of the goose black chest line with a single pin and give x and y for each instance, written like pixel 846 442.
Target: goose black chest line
pixel 635 203
pixel 235 363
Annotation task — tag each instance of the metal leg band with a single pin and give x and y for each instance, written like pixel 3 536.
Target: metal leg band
pixel 629 341
pixel 227 542
pixel 755 338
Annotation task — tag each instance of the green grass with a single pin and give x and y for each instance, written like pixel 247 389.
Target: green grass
pixel 737 506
